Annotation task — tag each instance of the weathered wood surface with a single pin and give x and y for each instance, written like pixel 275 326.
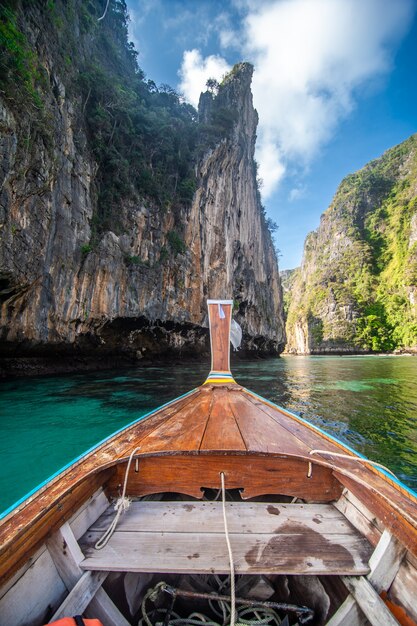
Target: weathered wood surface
pixel 242 517
pixel 20 539
pixel 26 601
pixel 384 562
pixel 220 337
pixel 67 556
pixel 360 516
pixel 80 595
pixel 265 539
pixel 369 601
pixel 82 519
pixel 397 512
pixel 403 590
pixel 254 475
pixel 292 553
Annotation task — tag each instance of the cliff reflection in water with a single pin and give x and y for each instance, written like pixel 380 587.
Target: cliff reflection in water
pixel 368 402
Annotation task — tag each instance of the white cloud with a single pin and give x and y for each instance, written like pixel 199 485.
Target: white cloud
pixel 271 164
pixel 297 193
pixel 195 71
pixel 310 57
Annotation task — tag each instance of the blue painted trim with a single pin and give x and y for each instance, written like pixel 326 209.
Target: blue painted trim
pixel 78 458
pixel 342 443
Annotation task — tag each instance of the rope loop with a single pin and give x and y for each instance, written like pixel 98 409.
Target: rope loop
pixel 121 505
pixel 232 565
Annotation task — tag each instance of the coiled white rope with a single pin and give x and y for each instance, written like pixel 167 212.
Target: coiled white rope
pixel 122 504
pixel 232 565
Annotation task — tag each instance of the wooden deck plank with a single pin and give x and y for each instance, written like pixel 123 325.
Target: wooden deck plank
pixel 266 538
pixel 184 431
pixel 180 517
pixel 293 552
pixel 260 432
pixel 222 432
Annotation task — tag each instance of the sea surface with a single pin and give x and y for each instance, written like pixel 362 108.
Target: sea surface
pixel 369 402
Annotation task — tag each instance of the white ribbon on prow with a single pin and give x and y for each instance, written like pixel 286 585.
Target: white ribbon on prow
pixel 235 334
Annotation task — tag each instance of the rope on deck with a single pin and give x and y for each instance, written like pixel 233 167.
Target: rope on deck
pixel 122 504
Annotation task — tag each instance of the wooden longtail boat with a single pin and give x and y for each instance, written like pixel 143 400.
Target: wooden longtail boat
pixel 225 488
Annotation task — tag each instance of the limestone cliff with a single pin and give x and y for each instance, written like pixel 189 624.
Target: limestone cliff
pixel 94 264
pixel 356 290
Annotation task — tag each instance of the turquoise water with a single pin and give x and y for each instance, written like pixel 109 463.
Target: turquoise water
pixel 369 402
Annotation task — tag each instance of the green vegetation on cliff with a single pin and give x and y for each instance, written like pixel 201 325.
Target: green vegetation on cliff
pixel 357 288
pixel 143 138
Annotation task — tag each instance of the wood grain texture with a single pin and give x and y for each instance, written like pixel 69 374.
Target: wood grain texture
pixel 220 337
pixel 359 515
pixel 253 474
pixel 222 431
pixel 403 590
pixel 292 553
pixel 369 601
pixel 260 432
pixel 384 563
pixel 88 513
pixel 266 538
pixel 27 600
pixel 184 430
pixel 81 595
pixel 67 556
pixel 380 500
pixel 250 517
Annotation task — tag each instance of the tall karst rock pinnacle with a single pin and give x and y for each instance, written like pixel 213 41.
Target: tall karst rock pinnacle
pixel 356 290
pixel 78 277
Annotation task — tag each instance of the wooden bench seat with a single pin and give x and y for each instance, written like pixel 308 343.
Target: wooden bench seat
pixel 188 537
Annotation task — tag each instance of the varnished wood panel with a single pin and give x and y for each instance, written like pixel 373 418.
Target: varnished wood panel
pixel 222 431
pixel 254 474
pixel 220 337
pixel 150 427
pixel 260 432
pixel 308 437
pixel 184 431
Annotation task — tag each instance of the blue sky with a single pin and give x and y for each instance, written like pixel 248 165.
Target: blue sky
pixel 334 85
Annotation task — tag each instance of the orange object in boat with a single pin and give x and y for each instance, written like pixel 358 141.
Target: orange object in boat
pixel 398 612
pixel 72 621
